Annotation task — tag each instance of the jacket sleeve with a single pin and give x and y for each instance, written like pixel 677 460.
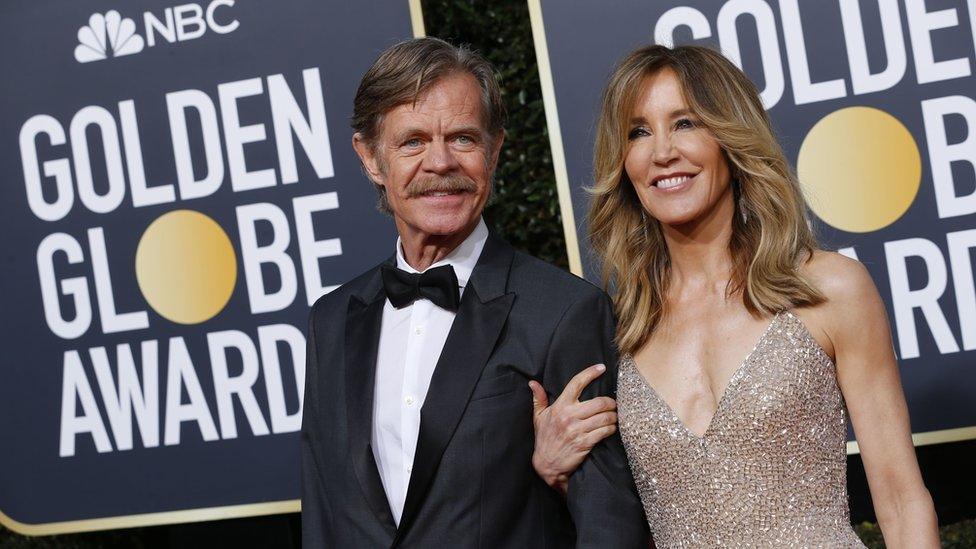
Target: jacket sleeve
pixel 316 515
pixel 602 496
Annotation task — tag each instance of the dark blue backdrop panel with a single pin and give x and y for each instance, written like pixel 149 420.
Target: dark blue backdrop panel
pixel 152 49
pixel 586 39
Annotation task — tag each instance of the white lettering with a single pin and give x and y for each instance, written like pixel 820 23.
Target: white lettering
pixel 60 169
pixel 862 80
pixel 180 374
pixel 921 23
pixel 75 387
pixel 268 338
pixel 960 245
pixel 75 287
pixel 236 136
pixel 226 386
pixel 804 89
pixel 942 154
pixel 141 194
pixel 274 253
pixel 212 23
pixel 772 62
pixel 128 396
pixel 98 116
pixel 313 133
pixel 189 16
pixel 176 105
pixel 681 16
pixel 312 250
pixel 111 320
pixel 905 300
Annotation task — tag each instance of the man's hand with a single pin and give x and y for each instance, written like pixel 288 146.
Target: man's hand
pixel 566 431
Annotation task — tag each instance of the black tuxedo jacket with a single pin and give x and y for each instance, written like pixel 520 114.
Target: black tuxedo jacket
pixel 472 483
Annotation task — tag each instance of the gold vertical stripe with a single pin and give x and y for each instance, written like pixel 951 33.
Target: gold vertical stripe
pixel 555 137
pixel 417 19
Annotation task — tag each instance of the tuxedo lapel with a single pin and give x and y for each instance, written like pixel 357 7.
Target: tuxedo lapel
pixel 363 321
pixel 482 315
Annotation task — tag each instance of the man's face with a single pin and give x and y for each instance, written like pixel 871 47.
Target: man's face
pixel 435 159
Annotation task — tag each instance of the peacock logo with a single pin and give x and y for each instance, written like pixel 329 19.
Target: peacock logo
pixel 107 35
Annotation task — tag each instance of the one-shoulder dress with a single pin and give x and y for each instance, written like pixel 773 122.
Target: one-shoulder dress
pixel 769 471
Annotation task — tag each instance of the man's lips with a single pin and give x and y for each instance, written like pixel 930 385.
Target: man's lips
pixel 442 196
pixel 441 193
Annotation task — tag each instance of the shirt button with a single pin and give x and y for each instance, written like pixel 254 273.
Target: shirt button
pixel 418 330
pixel 408 400
pixel 409 469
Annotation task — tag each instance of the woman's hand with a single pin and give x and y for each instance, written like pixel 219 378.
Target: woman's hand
pixel 566 431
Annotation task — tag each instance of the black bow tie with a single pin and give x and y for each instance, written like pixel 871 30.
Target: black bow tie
pixel 439 285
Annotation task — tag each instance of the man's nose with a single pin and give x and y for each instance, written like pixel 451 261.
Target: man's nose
pixel 440 158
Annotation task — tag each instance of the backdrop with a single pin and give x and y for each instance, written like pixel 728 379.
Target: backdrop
pixel 873 101
pixel 178 188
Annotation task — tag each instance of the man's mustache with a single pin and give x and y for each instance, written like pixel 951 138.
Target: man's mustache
pixel 446 184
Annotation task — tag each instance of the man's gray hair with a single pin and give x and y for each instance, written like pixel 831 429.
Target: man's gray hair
pixel 405 71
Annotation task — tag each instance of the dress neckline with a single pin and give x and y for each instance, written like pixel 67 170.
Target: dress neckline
pixel 733 381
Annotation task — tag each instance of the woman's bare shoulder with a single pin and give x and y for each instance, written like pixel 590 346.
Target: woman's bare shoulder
pixel 840 278
pixel 852 301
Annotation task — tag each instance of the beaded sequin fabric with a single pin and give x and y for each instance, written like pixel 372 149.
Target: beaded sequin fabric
pixel 770 470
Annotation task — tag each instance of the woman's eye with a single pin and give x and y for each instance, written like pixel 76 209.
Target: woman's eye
pixel 637 132
pixel 684 123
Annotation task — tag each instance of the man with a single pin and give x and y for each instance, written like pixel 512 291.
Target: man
pixel 418 428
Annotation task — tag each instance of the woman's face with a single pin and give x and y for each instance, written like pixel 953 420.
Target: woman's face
pixel 675 164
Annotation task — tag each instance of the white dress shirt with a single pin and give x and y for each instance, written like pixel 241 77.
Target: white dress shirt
pixel 411 340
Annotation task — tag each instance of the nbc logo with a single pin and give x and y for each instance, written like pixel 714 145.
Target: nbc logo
pixel 111 35
pixel 105 34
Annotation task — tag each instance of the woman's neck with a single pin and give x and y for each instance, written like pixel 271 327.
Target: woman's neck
pixel 699 250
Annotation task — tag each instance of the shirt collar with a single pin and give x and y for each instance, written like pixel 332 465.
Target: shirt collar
pixel 463 258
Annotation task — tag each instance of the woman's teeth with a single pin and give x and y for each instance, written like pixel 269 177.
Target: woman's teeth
pixel 671 182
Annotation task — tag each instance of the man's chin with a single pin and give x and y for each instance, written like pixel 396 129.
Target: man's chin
pixel 442 223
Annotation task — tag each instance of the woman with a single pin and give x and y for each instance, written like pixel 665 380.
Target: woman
pixel 740 340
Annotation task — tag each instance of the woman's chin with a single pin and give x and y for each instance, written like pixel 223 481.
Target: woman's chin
pixel 676 219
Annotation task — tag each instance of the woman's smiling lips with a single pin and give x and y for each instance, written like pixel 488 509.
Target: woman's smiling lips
pixel 673 182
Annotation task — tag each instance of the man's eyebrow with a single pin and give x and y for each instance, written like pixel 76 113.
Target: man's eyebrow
pixel 407 133
pixel 474 130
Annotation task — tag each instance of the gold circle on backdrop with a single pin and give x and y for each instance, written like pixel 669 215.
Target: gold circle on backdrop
pixel 186 267
pixel 860 169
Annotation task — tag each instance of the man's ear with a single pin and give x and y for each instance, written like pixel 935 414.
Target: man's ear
pixel 368 157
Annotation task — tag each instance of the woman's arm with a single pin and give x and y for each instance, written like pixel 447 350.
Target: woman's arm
pixel 856 323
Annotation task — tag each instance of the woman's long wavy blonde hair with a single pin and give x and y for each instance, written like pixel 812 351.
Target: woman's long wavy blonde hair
pixel 770 233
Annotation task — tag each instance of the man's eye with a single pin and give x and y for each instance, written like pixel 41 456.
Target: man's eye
pixel 464 139
pixel 637 132
pixel 412 143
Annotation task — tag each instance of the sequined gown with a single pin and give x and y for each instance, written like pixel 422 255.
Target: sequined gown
pixel 770 470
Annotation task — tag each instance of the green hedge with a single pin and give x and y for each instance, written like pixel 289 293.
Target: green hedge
pixel 525 210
